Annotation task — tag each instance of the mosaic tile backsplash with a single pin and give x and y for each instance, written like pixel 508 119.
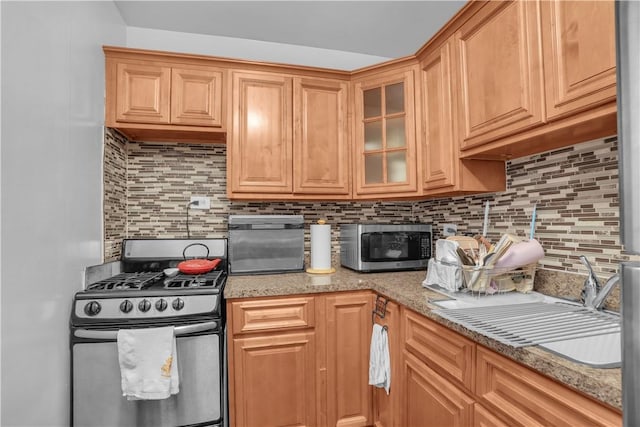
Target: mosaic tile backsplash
pixel 148 186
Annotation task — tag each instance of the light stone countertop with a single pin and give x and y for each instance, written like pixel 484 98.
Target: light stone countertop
pixel 406 289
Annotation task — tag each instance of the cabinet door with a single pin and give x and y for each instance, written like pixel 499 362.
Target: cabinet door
pixel 348 335
pixel 260 156
pixel 579 54
pixel 440 152
pixel 274 380
pixel 500 71
pixel 484 418
pixel 386 406
pixel 320 143
pixel 431 400
pixel 142 93
pixel 525 398
pixel 196 97
pixel 385 147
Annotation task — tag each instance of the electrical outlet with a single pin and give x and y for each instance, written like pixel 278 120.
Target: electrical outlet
pixel 200 202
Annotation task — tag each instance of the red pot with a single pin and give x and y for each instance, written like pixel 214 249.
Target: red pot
pixel 197 265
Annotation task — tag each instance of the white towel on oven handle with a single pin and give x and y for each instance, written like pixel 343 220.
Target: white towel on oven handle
pixel 148 363
pixel 379 361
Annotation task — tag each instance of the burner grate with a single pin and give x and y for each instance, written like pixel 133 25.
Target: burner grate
pixel 210 280
pixel 126 281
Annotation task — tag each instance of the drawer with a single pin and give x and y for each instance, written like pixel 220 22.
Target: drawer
pixel 445 351
pixel 272 314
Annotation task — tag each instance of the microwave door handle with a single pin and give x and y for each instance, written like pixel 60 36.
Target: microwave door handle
pixel 113 335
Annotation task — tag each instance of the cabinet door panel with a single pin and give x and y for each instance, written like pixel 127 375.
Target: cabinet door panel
pixel 143 93
pixel 500 69
pixel 196 97
pixel 440 150
pixel 274 380
pixel 430 400
pixel 580 54
pixel 320 146
pixel 261 159
pixel 385 152
pixel 526 398
pixel 348 342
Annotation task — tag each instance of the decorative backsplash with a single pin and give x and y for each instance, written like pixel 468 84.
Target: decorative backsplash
pixel 575 190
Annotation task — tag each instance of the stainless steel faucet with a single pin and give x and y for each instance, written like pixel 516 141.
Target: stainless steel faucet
pixel 593 295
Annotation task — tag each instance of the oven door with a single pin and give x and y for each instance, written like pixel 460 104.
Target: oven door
pixel 97 394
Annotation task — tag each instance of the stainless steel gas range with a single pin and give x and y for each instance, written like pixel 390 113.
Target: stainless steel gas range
pixel 137 293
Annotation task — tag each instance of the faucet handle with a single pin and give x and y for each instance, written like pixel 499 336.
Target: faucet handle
pixel 591 285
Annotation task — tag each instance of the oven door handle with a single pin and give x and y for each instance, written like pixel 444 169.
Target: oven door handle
pixel 112 335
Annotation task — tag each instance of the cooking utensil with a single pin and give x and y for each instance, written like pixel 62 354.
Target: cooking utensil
pixel 197 265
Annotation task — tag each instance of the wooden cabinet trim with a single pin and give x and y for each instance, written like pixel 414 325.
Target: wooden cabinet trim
pixel 271 315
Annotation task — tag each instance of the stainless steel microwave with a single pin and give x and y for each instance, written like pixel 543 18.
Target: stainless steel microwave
pixel 385 247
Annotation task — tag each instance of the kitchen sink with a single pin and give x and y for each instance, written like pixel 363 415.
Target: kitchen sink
pixel 568 329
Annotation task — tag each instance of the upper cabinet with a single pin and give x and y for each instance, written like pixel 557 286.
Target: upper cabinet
pixel 579 55
pixel 443 171
pixel 535 76
pixel 289 137
pixel 260 149
pixel 500 65
pixel 156 97
pixel 385 134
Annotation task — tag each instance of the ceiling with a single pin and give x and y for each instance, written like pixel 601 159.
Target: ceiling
pixel 390 29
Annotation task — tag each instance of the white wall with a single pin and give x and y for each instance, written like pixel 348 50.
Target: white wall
pixel 173 41
pixel 51 166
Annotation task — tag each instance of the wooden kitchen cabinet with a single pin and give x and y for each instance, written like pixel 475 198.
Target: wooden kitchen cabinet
pixel 578 39
pixel 443 172
pixel 321 150
pixel 524 398
pixel 517 112
pixel 499 61
pixel 430 399
pixel 385 152
pixel 154 96
pixel 347 337
pixel 300 360
pixel 289 138
pixel 260 151
pixel 386 407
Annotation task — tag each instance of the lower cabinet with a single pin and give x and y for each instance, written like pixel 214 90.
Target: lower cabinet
pixel 300 361
pixel 303 361
pixel 274 380
pixel 430 399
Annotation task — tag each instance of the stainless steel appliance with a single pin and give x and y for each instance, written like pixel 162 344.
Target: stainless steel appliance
pixel 628 96
pixel 260 244
pixel 385 247
pixel 136 293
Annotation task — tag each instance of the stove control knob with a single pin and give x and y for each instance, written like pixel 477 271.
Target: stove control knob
pixel 178 304
pixel 161 305
pixel 144 305
pixel 92 308
pixel 126 306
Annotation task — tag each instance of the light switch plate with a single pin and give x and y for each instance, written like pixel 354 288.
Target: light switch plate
pixel 203 202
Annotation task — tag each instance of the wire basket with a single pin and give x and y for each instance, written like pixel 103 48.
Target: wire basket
pixel 491 280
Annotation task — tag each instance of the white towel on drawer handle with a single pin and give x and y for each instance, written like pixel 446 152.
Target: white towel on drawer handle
pixel 148 363
pixel 379 361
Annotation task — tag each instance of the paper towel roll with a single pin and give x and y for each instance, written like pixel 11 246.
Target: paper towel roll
pixel 320 246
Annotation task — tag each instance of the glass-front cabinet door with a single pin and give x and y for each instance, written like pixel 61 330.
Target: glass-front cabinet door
pixel 385 135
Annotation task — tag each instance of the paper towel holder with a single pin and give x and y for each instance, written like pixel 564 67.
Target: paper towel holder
pixel 321 270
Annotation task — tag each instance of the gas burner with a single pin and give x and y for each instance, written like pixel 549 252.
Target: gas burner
pixel 126 281
pixel 210 280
